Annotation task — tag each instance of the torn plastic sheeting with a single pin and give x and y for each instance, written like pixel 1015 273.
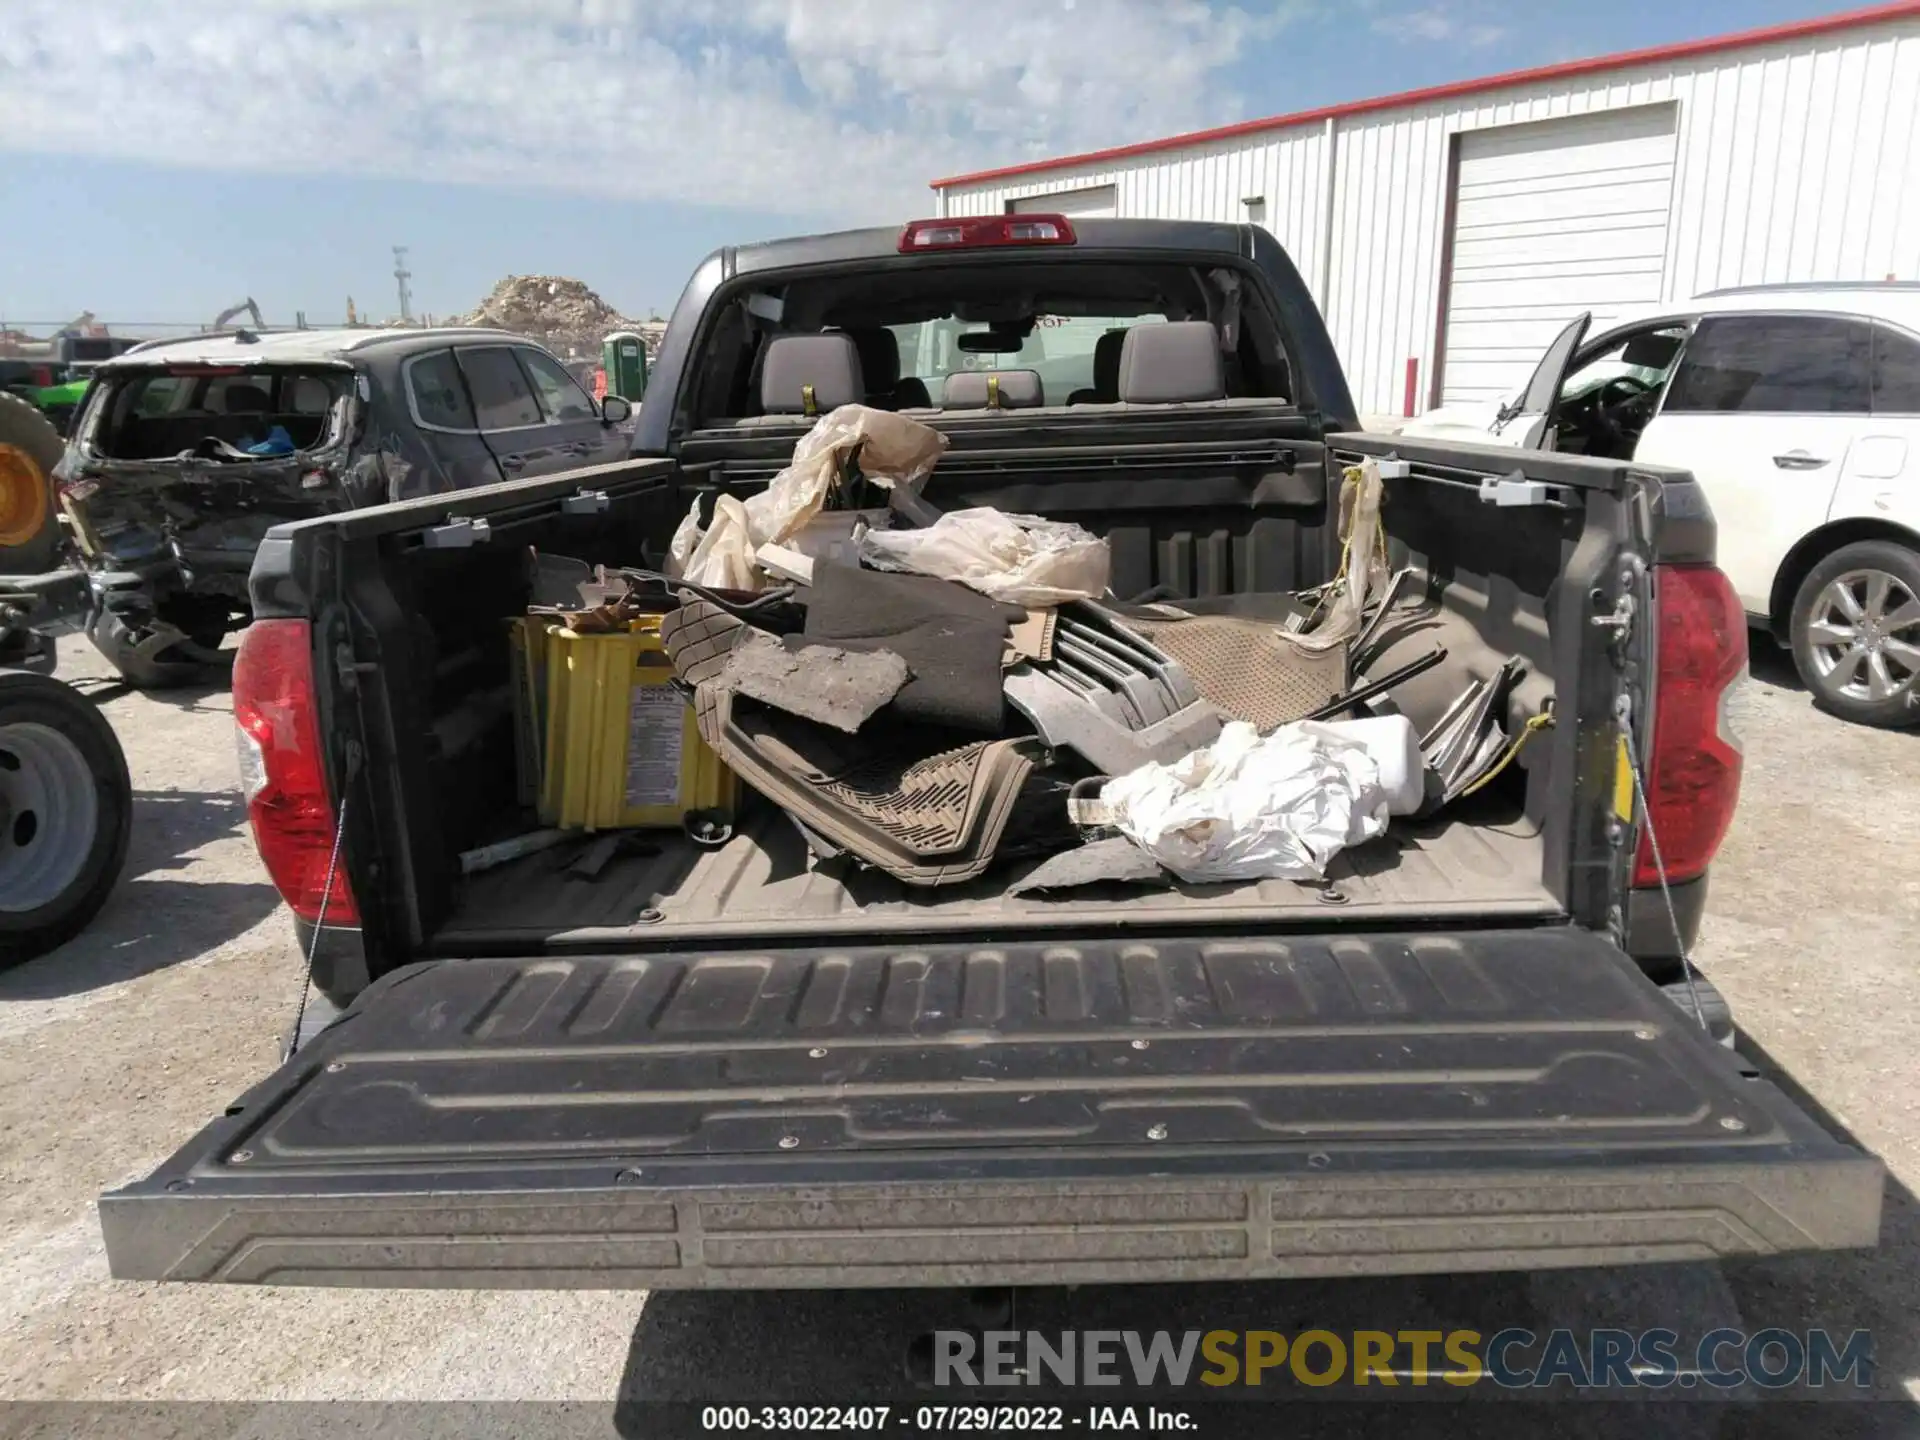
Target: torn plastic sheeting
pixel 1253 808
pixel 1019 559
pixel 841 688
pixel 893 450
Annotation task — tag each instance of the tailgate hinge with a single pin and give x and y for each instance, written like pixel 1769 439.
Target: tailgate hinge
pixel 349 669
pixel 1517 489
pixel 1619 619
pixel 458 534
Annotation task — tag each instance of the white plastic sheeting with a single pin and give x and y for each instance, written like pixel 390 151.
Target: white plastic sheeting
pixel 1278 807
pixel 1018 559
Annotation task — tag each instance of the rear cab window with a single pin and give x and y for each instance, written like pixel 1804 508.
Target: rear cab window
pixel 1062 318
pixel 220 412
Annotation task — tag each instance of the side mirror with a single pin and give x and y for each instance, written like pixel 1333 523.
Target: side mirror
pixel 616 409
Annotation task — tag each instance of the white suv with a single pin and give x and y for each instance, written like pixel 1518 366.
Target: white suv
pixel 1798 409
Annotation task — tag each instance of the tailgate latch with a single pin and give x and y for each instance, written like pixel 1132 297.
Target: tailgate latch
pixel 1517 489
pixel 458 534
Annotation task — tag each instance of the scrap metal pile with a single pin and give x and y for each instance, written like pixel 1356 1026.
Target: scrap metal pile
pixel 930 693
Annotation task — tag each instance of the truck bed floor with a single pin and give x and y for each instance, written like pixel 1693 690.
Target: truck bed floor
pixel 1486 866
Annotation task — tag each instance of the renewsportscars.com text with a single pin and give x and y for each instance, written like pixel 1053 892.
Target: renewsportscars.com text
pixel 1512 1359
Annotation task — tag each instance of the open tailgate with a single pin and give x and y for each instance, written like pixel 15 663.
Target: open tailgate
pixel 1119 1109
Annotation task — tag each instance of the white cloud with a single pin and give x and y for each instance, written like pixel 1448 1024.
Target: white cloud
pixel 1438 24
pixel 837 107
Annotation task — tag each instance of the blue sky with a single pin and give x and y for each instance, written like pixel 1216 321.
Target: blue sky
pixel 161 160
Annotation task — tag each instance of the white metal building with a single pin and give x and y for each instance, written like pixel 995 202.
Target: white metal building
pixel 1448 233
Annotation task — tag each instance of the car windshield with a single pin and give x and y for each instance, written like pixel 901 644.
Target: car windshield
pixel 1060 350
pixel 1647 357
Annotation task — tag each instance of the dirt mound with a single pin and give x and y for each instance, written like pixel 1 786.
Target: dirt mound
pixel 562 312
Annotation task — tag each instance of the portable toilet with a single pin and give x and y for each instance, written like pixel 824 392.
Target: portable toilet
pixel 625 359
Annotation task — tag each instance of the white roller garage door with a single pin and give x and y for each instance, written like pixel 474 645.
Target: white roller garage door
pixel 1551 219
pixel 1098 202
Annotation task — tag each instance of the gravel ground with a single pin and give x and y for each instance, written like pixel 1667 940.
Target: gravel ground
pixel 113 1050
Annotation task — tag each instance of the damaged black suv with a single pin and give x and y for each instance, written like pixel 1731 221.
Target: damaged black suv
pixel 187 452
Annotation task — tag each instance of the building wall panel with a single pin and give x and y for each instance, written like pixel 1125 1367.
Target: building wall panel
pixel 1796 160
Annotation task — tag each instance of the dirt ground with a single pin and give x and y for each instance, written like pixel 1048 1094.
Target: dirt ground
pixel 113 1050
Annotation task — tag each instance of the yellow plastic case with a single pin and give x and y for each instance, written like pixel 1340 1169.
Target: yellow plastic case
pixel 620 747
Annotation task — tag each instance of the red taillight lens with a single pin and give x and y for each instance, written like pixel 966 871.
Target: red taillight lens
pixel 283 771
pixel 979 231
pixel 1693 770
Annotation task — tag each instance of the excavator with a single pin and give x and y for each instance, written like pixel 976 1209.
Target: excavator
pixel 246 307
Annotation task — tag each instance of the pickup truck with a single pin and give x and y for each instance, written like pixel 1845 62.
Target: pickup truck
pixel 726 1067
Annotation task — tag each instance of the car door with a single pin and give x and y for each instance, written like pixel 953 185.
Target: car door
pixel 1882 477
pixel 1527 424
pixel 511 421
pixel 583 436
pixel 1764 410
pixel 443 418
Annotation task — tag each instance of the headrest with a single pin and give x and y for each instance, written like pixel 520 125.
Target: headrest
pixel 992 390
pixel 1170 363
pixel 247 400
pixel 810 375
pixel 310 395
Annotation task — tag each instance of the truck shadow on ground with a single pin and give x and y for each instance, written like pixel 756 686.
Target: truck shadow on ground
pixel 154 920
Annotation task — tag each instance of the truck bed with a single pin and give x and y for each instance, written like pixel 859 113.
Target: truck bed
pixel 1483 863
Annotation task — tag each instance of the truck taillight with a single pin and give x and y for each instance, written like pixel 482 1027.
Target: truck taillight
pixel 283 770
pixel 1693 766
pixel 982 231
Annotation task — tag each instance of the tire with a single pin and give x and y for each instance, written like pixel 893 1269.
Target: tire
pixel 29 521
pixel 66 811
pixel 1855 631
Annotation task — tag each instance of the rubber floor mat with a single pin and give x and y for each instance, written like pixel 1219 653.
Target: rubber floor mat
pixel 1244 668
pixel 699 637
pixel 924 819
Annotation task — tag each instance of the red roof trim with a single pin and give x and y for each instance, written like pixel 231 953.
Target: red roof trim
pixel 1792 30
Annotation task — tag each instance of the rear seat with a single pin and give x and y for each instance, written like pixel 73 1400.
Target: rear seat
pixel 150 437
pixel 989 390
pixel 1177 363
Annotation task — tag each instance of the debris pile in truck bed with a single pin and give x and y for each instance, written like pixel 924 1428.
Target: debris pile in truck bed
pixel 929 694
pixel 561 312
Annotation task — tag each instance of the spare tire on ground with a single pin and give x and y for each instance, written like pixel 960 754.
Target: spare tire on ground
pixel 66 811
pixel 29 522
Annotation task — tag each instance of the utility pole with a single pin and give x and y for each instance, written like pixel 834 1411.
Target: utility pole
pixel 402 275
